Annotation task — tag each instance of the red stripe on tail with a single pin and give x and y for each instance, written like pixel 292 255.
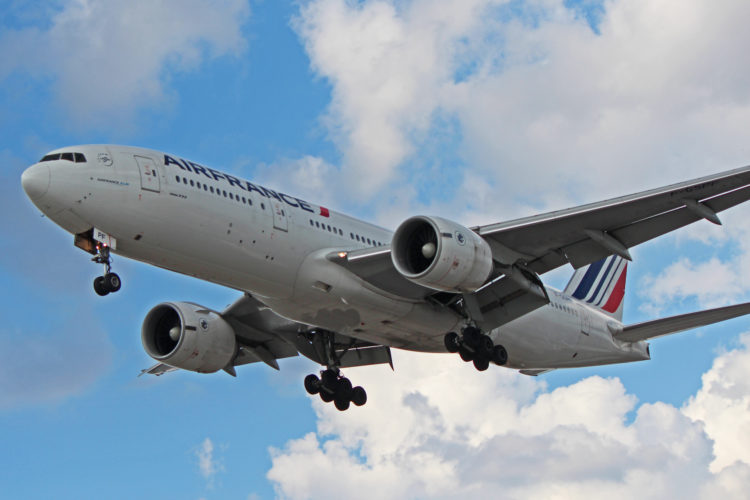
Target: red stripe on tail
pixel 615 299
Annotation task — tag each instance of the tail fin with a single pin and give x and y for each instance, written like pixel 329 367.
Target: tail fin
pixel 601 284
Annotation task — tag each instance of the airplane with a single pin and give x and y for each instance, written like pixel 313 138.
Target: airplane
pixel 343 292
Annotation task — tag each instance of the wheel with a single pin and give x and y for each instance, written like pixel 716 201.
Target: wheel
pixel 112 282
pixel 451 342
pixel 499 355
pixel 486 346
pixel 99 286
pixel 343 390
pixel 359 396
pixel 341 404
pixel 312 384
pixel 329 379
pixel 326 396
pixel 465 354
pixel 472 336
pixel 481 363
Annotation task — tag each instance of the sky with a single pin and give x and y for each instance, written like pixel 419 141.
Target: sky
pixel 476 110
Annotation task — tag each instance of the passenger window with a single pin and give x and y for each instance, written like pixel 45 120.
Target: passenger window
pixel 177 178
pixel 225 193
pixel 192 183
pixel 184 180
pixel 317 224
pixel 230 196
pixel 211 188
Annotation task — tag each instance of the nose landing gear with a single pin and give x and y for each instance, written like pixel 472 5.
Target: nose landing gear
pixel 473 345
pixel 109 282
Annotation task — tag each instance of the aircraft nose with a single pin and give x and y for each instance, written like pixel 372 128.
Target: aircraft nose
pixel 35 181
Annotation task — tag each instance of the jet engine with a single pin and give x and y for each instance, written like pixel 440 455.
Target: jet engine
pixel 441 254
pixel 188 336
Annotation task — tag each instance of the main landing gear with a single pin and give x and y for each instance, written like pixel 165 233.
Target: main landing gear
pixel 473 345
pixel 332 385
pixel 109 282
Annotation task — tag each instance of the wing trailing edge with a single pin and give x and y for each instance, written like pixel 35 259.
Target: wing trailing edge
pixel 675 324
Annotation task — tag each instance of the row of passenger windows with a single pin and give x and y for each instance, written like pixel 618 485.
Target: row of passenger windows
pixel 74 157
pixel 563 308
pixel 338 231
pixel 217 191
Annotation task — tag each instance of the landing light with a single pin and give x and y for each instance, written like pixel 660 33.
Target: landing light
pixel 342 255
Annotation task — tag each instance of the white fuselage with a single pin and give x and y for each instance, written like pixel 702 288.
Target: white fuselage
pixel 188 218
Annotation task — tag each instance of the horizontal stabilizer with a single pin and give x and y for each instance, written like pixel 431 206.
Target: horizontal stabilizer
pixel 675 324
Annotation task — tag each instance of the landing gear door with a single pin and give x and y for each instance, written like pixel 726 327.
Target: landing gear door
pixel 279 216
pixel 149 174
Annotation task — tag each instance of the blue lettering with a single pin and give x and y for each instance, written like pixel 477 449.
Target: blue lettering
pixel 305 206
pixel 234 181
pixel 216 174
pixel 270 193
pixel 187 167
pixel 286 199
pixel 199 169
pixel 253 187
pixel 168 160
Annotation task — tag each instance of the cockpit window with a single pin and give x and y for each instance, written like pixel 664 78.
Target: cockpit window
pixel 75 157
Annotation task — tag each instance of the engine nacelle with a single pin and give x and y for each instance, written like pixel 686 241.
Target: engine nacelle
pixel 441 254
pixel 188 336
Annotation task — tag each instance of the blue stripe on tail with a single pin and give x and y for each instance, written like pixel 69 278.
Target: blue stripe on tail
pixel 588 279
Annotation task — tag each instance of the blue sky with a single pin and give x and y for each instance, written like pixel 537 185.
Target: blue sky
pixel 476 110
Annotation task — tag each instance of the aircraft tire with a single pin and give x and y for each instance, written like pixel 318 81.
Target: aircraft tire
pixel 486 347
pixel 451 342
pixel 99 286
pixel 481 363
pixel 326 396
pixel 343 389
pixel 359 396
pixel 465 354
pixel 112 282
pixel 312 384
pixel 472 337
pixel 341 404
pixel 499 355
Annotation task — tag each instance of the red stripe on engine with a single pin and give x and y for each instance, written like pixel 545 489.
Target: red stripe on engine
pixel 615 299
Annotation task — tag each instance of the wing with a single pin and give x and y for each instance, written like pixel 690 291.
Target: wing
pixel 675 324
pixel 588 233
pixel 524 248
pixel 263 335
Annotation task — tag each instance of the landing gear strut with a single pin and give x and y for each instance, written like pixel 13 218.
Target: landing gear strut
pixel 473 345
pixel 332 385
pixel 109 282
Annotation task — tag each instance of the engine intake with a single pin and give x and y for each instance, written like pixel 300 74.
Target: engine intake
pixel 441 254
pixel 188 336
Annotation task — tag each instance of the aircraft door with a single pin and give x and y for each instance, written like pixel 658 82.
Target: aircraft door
pixel 149 174
pixel 280 221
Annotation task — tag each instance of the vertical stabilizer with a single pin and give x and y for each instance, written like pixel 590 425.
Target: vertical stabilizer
pixel 601 284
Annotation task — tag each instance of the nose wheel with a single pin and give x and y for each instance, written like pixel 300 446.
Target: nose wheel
pixel 474 346
pixel 109 282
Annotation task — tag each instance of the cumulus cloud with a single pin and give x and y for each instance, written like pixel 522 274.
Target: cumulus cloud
pixel 208 465
pixel 436 428
pixel 547 110
pixel 109 57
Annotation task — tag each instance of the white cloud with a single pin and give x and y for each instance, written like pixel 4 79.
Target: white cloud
pixel 437 428
pixel 548 111
pixel 208 465
pixel 110 57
